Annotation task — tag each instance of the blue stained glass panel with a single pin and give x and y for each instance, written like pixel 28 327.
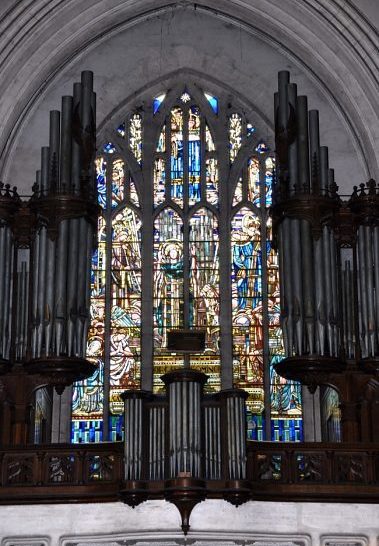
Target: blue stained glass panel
pixel 157 102
pixel 286 430
pixel 101 181
pixel 250 129
pixel 86 431
pixel 194 163
pixel 177 160
pixel 109 148
pixel 262 148
pixel 255 427
pixel 213 101
pixel 121 130
pixel 116 428
pixel 269 180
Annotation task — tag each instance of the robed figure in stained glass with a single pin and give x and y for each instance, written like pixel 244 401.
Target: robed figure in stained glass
pixel 247 262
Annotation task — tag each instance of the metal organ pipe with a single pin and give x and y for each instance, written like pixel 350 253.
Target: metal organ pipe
pixel 292 148
pixel 184 389
pixel 66 145
pixel 236 433
pixel 66 219
pixel 303 147
pixel 308 264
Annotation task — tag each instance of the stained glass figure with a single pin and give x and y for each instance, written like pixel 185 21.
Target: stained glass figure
pixel 238 194
pixel 125 331
pixel 211 173
pixel 247 309
pixel 157 102
pixel 133 194
pixel 109 148
pixel 118 180
pixel 162 140
pixel 101 175
pixel 253 183
pixel 269 180
pixel 213 101
pixel 135 136
pixel 194 164
pixel 235 135
pixel 159 181
pixel 204 276
pixel 177 160
pixel 168 275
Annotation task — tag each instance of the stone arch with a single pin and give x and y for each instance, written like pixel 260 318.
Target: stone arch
pixel 331 44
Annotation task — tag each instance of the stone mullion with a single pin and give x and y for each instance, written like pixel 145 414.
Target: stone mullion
pixel 203 162
pixel 265 318
pixel 225 200
pixel 186 270
pixel 108 298
pixel 147 206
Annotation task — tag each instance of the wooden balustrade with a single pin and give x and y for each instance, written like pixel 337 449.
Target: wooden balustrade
pixel 92 472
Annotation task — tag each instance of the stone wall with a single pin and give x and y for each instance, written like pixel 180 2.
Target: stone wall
pixel 213 522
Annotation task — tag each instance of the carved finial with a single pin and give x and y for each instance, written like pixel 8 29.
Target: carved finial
pixel 371 184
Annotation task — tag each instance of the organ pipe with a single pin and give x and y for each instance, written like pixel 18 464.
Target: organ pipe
pixel 328 256
pixel 65 208
pixel 309 266
pixel 9 205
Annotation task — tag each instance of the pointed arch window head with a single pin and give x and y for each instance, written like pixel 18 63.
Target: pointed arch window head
pixel 207 259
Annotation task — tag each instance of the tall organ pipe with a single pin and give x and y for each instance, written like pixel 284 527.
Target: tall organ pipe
pixel 184 389
pixel 303 147
pixel 9 205
pixel 314 147
pixel 64 239
pixel 292 149
pixel 66 145
pixel 308 274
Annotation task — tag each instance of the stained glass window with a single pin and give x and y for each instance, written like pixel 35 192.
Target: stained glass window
pixel 208 224
pixel 213 101
pixel 135 136
pixel 235 135
pixel 157 102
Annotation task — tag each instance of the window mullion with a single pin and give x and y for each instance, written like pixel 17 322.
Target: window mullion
pixel 265 317
pixel 225 201
pixel 108 300
pixel 186 272
pixel 147 302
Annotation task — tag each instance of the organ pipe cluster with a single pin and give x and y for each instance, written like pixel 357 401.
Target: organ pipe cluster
pixel 364 204
pixel 64 202
pixel 185 433
pixel 9 204
pixel 46 246
pixel 305 198
pixel 328 249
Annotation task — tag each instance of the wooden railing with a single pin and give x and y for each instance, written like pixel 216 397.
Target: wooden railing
pixel 314 471
pixel 93 472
